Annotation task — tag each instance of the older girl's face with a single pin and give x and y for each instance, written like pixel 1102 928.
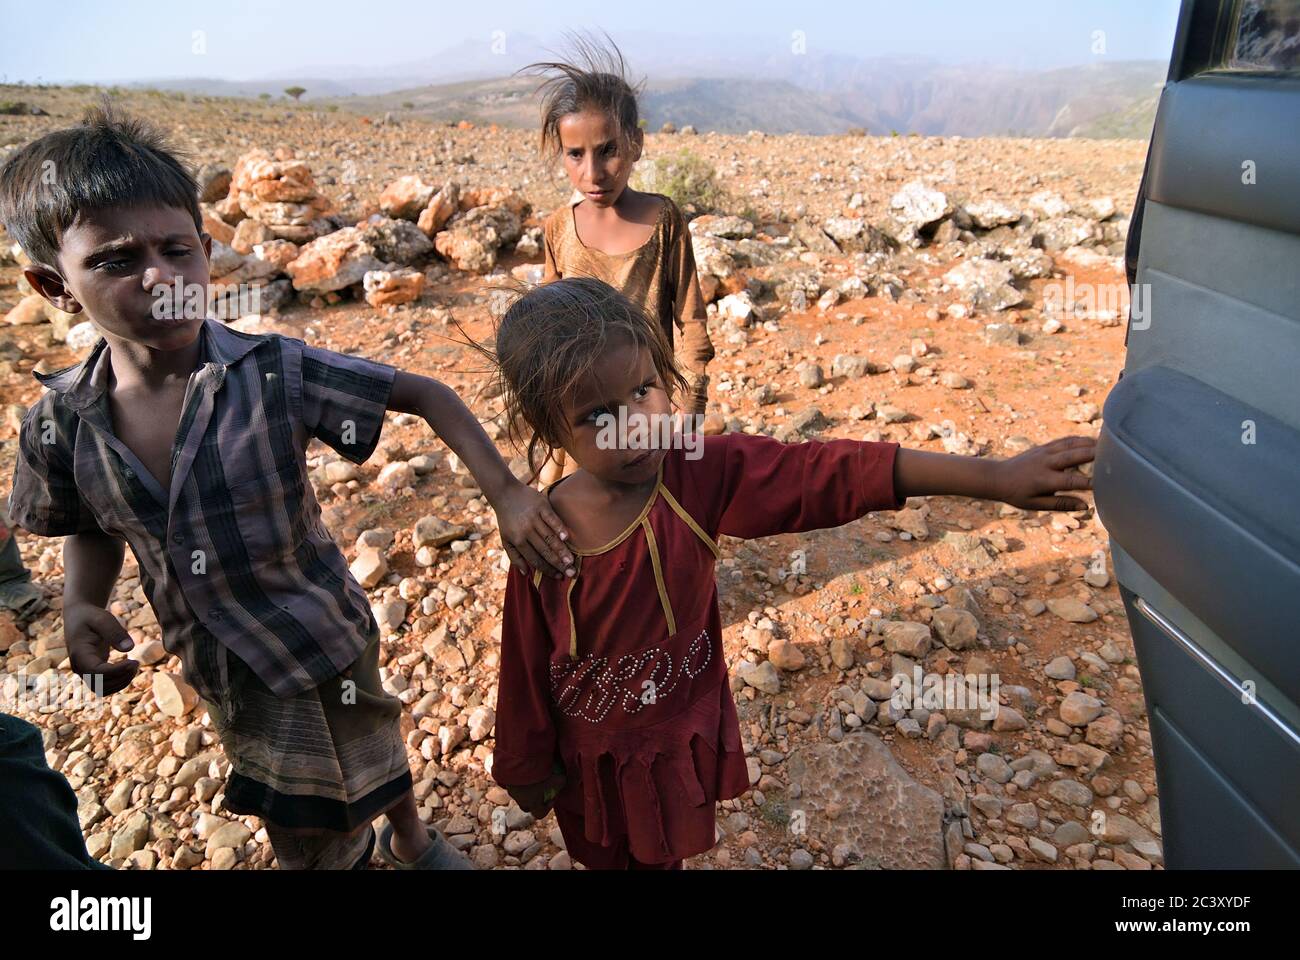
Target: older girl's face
pixel 595 158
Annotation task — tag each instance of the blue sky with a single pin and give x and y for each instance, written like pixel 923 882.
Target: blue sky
pixel 99 41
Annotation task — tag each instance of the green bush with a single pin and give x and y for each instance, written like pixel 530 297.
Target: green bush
pixel 683 177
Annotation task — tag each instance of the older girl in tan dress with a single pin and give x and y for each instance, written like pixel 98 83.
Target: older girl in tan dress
pixel 636 242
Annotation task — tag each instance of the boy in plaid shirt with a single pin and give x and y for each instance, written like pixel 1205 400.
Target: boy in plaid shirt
pixel 188 440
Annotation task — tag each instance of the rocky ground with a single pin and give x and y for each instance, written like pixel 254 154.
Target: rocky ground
pixel 960 295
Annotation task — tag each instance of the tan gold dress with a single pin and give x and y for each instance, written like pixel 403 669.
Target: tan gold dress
pixel 659 275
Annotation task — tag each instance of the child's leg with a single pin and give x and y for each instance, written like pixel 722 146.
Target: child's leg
pixel 410 835
pixel 591 855
pixel 318 767
pixel 295 850
pixel 17 592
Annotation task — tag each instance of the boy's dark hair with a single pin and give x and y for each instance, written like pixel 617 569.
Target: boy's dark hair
pixel 550 339
pixel 109 160
pixel 594 77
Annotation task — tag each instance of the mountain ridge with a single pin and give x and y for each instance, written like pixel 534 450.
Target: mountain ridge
pixel 824 95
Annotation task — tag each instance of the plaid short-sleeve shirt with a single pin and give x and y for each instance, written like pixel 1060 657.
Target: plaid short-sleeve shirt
pixel 236 552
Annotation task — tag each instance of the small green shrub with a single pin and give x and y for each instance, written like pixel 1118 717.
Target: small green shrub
pixel 685 178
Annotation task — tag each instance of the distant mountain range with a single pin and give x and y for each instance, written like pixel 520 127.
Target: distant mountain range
pixel 733 91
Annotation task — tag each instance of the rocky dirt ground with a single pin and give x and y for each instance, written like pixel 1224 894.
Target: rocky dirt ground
pixel 960 295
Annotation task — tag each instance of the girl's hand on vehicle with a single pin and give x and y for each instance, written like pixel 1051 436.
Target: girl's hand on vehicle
pixel 1033 479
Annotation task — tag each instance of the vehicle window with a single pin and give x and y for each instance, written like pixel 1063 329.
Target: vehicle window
pixel 1267 36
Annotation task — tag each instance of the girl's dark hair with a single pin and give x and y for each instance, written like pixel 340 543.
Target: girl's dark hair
pixel 593 77
pixel 549 340
pixel 109 160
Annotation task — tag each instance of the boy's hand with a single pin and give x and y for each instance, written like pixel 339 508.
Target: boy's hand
pixel 90 632
pixel 538 798
pixel 1031 480
pixel 531 532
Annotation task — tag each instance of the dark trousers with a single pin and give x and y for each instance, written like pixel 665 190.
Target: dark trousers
pixel 11 560
pixel 39 829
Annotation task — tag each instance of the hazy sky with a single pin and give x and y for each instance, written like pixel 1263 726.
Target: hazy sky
pixel 110 40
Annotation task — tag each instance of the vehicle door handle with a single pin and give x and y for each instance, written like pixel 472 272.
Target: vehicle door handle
pixel 1216 669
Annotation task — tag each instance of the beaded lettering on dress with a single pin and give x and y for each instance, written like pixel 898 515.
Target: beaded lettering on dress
pixel 590 688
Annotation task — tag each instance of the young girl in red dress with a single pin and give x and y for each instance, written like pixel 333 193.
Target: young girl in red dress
pixel 613 704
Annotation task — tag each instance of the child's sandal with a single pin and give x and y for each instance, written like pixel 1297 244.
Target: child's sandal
pixel 25 600
pixel 441 855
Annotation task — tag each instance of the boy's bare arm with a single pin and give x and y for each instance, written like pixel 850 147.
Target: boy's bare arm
pixel 531 531
pixel 1029 481
pixel 91 565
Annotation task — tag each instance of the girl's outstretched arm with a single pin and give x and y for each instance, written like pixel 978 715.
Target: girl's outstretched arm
pixel 531 531
pixel 755 486
pixel 1030 481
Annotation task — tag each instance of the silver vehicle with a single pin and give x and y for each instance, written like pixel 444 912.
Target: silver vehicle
pixel 1198 471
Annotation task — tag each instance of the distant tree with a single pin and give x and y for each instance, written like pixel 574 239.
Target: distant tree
pixel 264 96
pixel 294 92
pixel 407 105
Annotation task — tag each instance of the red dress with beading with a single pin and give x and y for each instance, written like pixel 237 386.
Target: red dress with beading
pixel 619 673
